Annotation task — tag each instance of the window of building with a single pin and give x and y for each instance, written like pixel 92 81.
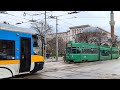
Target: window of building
pixel 7 49
pixel 81 31
pixel 76 31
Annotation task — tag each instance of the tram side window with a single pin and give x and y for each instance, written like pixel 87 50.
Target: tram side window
pixel 89 51
pixel 92 50
pixel 114 52
pixel 78 50
pixel 107 52
pixel 96 50
pixel 7 49
pixel 104 52
pixel 83 50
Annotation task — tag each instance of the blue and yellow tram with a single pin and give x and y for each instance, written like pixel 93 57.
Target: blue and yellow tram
pixel 17 52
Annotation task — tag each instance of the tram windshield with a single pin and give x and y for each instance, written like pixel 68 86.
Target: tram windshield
pixel 37 44
pixel 68 50
pixel 73 50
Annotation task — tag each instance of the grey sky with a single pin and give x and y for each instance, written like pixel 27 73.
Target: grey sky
pixel 94 18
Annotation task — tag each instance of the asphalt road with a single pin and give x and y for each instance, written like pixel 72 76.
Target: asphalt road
pixel 109 69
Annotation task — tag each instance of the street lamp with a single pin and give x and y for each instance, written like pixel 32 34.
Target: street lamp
pixel 55 17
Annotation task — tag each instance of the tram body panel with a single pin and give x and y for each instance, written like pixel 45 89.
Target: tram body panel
pixel 5 73
pixel 12 68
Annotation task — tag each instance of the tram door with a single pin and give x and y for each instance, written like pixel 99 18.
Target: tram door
pixel 25 54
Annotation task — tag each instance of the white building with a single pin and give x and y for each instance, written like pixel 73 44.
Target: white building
pixel 73 31
pixel 69 35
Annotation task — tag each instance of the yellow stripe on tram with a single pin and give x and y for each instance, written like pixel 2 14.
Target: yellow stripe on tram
pixel 34 58
pixel 37 58
pixel 9 61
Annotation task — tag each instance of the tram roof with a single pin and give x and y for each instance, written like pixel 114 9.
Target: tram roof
pixel 9 27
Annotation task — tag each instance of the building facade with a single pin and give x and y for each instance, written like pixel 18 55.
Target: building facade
pixel 73 31
pixel 70 34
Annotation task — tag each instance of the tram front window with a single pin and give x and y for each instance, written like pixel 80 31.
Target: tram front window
pixel 7 49
pixel 68 50
pixel 73 50
pixel 37 45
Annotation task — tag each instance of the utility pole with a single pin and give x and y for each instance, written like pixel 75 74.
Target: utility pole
pixel 112 23
pixel 45 37
pixel 41 48
pixel 56 40
pixel 55 17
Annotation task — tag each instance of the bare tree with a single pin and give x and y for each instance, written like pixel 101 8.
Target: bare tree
pixel 116 42
pixel 90 37
pixel 52 46
pixel 94 35
pixel 61 45
pixel 40 27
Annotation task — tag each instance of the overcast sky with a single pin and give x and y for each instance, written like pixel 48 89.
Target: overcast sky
pixel 94 18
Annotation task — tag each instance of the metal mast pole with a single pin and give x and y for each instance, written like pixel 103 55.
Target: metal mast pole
pixel 56 41
pixel 45 37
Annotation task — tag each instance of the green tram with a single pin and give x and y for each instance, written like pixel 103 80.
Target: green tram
pixel 79 52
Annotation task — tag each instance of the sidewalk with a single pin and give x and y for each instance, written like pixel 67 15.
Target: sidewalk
pixel 52 59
